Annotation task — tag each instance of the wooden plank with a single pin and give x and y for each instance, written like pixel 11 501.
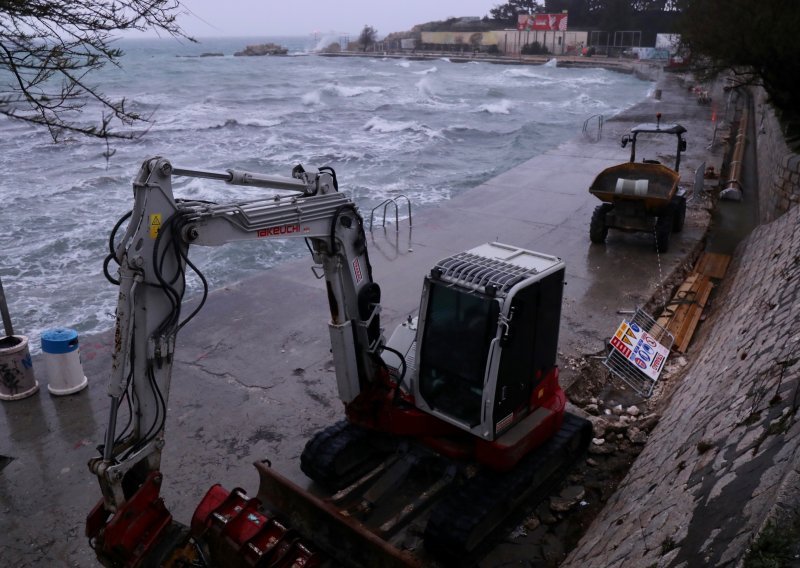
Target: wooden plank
pixel 713 265
pixel 704 291
pixel 677 307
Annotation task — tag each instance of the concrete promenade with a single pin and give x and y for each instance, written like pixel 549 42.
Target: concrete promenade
pixel 253 376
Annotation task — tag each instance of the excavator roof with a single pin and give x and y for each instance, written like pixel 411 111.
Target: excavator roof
pixel 496 265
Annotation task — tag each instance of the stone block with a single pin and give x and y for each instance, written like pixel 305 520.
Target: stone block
pixel 716 491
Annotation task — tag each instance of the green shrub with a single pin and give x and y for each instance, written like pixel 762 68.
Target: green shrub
pixel 534 48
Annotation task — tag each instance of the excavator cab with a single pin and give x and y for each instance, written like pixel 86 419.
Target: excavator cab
pixel 484 351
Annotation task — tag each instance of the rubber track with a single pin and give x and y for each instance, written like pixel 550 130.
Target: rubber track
pixel 319 457
pixel 470 513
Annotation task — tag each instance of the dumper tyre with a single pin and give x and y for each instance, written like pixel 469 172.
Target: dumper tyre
pixel 662 231
pixel 678 213
pixel 598 229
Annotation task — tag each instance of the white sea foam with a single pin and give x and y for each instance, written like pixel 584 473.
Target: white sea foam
pixel 521 73
pixel 312 98
pixel 263 123
pixel 504 106
pixel 425 88
pixel 552 63
pixel 404 64
pixel 377 124
pixel 342 91
pixel 324 42
pixel 426 71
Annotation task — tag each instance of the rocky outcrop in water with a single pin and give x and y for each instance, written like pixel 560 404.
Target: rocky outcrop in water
pixel 263 49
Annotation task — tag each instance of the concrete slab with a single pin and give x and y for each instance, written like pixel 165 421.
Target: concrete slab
pixel 253 377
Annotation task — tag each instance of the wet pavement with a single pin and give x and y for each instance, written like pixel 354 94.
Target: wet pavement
pixel 253 376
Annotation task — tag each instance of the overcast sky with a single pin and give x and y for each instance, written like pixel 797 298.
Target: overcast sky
pixel 207 18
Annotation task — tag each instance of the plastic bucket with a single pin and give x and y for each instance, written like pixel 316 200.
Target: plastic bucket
pixel 16 368
pixel 62 359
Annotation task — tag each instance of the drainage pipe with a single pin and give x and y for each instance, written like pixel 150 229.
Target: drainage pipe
pixel 734 183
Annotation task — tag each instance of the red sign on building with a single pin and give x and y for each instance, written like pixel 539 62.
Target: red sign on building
pixel 544 22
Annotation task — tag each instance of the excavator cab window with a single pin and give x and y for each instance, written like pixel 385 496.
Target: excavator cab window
pixel 459 328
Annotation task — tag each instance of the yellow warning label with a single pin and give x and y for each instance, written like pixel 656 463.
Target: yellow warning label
pixel 155 224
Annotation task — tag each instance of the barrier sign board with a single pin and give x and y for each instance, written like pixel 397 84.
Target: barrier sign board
pixel 640 349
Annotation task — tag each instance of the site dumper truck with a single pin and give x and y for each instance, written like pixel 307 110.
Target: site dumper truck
pixel 643 196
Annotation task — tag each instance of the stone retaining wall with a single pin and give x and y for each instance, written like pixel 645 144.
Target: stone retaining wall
pixel 728 446
pixel 778 167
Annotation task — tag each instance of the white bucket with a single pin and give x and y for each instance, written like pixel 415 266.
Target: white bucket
pixel 16 368
pixel 62 359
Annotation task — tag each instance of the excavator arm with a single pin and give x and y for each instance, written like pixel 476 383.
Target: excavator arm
pixel 153 260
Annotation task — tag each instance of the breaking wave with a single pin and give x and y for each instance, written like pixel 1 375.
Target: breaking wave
pixel 502 107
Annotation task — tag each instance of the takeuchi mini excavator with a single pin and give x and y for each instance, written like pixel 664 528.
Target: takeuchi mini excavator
pixel 449 425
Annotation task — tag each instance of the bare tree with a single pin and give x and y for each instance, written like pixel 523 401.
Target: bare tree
pixel 476 40
pixel 755 42
pixel 48 48
pixel 367 37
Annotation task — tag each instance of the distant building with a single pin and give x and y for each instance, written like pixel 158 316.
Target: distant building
pixel 508 42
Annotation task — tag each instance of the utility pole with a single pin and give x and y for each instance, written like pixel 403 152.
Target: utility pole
pixel 4 311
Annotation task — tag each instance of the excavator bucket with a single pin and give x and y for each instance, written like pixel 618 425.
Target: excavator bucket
pixel 343 538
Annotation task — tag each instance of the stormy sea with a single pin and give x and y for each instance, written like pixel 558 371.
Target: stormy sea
pixel 424 129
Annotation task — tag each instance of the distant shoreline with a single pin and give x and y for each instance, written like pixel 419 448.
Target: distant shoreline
pixel 628 66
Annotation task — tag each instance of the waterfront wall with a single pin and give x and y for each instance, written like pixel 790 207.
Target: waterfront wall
pixel 778 166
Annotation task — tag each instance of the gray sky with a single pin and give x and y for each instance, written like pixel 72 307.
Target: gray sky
pixel 286 17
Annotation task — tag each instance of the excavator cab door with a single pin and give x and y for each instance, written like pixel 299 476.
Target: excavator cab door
pixel 459 329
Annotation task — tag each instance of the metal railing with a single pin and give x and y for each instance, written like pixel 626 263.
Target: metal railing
pixel 385 204
pixel 590 135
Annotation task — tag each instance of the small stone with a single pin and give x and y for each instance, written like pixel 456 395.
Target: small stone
pixel 598 426
pixel 633 410
pixel 567 499
pixel 532 523
pixel 636 436
pixel 607 412
pixel 617 410
pixel 593 400
pixel 620 437
pixel 648 422
pixel 598 441
pixel 546 516
pixel 590 462
pixel 682 361
pixel 518 532
pixel 603 450
pixel 592 409
pixel 624 420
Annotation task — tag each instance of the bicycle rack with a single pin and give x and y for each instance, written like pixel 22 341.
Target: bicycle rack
pixel 385 203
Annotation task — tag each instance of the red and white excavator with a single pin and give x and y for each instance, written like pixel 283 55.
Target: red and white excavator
pixel 449 424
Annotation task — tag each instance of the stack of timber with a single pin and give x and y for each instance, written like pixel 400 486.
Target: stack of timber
pixel 682 313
